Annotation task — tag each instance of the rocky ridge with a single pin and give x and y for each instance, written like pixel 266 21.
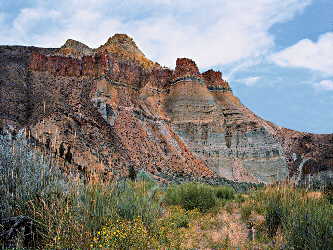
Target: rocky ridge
pixel 103 111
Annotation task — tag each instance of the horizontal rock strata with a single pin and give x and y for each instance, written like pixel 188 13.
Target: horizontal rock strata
pixel 111 109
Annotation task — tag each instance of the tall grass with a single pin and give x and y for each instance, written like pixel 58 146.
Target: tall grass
pixel 309 224
pixel 305 222
pixel 66 213
pixel 191 196
pixel 24 174
pixel 197 195
pixel 225 192
pixel 31 186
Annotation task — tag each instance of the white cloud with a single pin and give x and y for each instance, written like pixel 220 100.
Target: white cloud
pixel 211 32
pixel 29 17
pixel 307 54
pixel 240 66
pixel 249 81
pixel 324 85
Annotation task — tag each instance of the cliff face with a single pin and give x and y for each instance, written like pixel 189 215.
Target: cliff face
pixel 103 111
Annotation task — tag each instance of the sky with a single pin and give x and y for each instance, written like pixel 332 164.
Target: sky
pixel 276 54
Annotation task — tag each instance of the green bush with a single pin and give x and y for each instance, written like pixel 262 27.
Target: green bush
pixel 169 229
pixel 62 225
pixel 67 214
pixel 180 217
pixel 305 223
pixel 274 216
pixel 309 225
pixel 124 234
pixel 137 199
pixel 24 174
pixel 94 205
pixel 70 219
pixel 328 192
pixel 225 193
pixel 32 187
pixel 191 196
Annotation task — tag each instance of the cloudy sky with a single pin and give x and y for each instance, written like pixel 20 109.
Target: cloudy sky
pixel 276 54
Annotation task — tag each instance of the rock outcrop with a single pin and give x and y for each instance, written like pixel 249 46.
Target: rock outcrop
pixel 75 48
pixel 215 82
pixel 123 47
pixel 104 111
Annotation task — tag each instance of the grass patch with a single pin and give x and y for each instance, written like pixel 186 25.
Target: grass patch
pixel 225 192
pixel 198 196
pixel 304 222
pixel 191 196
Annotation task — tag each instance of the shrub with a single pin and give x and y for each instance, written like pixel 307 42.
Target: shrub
pixel 309 225
pixel 179 217
pixel 62 224
pixel 67 214
pixel 137 199
pixel 191 196
pixel 31 187
pixel 274 216
pixel 305 223
pixel 70 219
pixel 225 193
pixel 24 173
pixel 165 233
pixel 328 192
pixel 94 205
pixel 124 234
pixel 169 229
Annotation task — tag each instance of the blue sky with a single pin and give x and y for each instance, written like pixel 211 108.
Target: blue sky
pixel 276 54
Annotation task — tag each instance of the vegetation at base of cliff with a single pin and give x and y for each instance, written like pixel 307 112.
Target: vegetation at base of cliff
pixel 63 213
pixel 216 181
pixel 197 195
pixel 292 217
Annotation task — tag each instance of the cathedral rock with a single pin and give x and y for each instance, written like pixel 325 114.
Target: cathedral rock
pixel 104 111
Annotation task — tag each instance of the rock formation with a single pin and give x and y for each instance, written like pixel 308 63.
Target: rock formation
pixel 111 109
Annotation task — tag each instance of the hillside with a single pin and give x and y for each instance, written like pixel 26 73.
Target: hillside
pixel 108 110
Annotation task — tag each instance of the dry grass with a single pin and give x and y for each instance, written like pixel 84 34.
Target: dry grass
pixel 216 230
pixel 286 216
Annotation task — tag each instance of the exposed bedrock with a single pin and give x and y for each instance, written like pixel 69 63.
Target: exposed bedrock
pixel 188 99
pixel 111 109
pixel 252 156
pixel 145 132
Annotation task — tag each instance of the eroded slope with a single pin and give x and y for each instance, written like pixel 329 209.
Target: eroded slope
pixel 111 109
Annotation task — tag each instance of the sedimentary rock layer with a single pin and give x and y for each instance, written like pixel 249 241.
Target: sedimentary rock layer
pixel 106 110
